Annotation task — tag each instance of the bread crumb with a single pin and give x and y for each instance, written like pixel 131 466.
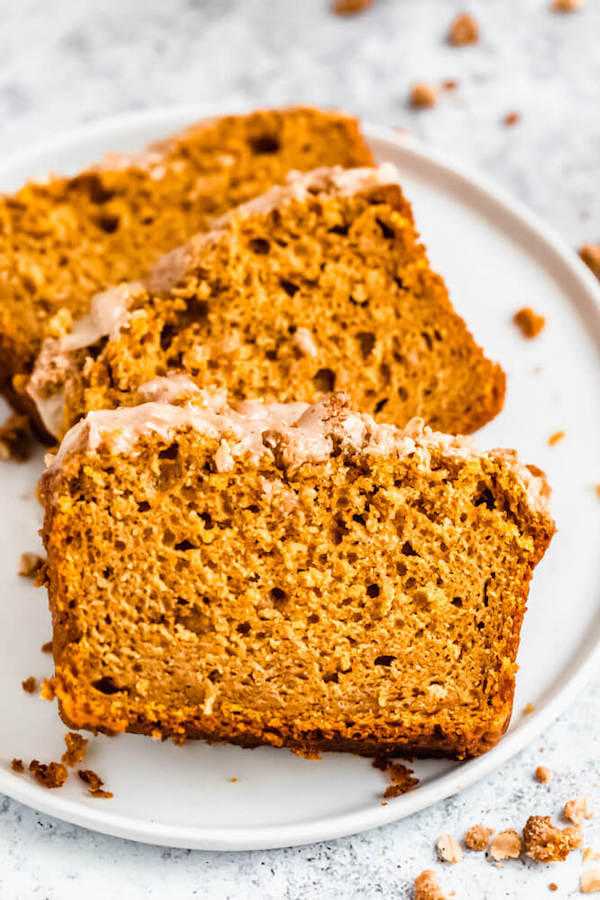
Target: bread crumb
pixel 567 5
pixel 422 96
pixel 556 437
pixel 530 323
pixel 545 842
pixel 47 647
pixel 478 837
pixel 29 685
pixel 15 438
pixel 427 886
pixel 349 7
pixel 464 30
pixel 543 774
pixel 30 564
pixel 590 881
pixel 528 709
pixel 76 747
pixel 17 765
pixel 506 845
pixel 590 254
pixel 47 689
pixel 590 854
pixel 94 783
pixel 577 811
pixel 450 84
pixel 233 779
pixel 553 886
pixel 511 118
pixel 401 776
pixel 51 775
pixel 449 849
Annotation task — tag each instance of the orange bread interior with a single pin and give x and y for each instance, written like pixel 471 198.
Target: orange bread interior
pixel 289 576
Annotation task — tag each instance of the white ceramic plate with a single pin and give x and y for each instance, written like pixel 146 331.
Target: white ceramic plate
pixel 496 257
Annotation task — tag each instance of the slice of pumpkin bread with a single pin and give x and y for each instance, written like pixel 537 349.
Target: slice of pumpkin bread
pixel 287 574
pixel 318 284
pixel 63 240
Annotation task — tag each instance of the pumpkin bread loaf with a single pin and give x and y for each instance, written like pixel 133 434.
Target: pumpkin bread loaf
pixel 320 284
pixel 63 240
pixel 289 575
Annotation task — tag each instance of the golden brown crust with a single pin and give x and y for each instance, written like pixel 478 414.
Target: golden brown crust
pixel 64 240
pixel 223 627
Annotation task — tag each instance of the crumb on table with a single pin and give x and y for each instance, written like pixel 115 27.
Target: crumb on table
pixel 511 118
pixel 577 810
pixel 427 886
pixel 567 5
pixel 349 7
pixel 448 848
pixel 556 437
pixel 590 881
pixel 478 837
pixel 590 254
pixel 506 844
pixel 543 774
pixel 464 30
pixel 29 685
pixel 422 96
pixel 530 323
pixel 545 842
pixel 529 709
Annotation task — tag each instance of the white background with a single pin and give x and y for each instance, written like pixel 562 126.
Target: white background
pixel 64 63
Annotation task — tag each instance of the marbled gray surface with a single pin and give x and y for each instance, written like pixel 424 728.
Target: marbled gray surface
pixel 64 63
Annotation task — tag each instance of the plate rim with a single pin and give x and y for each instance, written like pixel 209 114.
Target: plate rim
pixel 338 825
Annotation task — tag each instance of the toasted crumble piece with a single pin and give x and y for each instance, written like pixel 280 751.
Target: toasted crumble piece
pixel 589 882
pixel 29 685
pixel 529 709
pixel 17 765
pixel 511 118
pixel 530 323
pixel 478 837
pixel 349 7
pixel 47 647
pixel 567 5
pixel 450 84
pixel 50 775
pixel 556 437
pixel 590 254
pixel 448 848
pixel 545 842
pixel 543 774
pixel 94 783
pixel 15 438
pixel 47 690
pixel 422 96
pixel 577 810
pixel 464 30
pixel 553 886
pixel 76 747
pixel 427 886
pixel 30 565
pixel 506 844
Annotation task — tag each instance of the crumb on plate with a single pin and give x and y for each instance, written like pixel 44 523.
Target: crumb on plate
pixel 17 765
pixel 29 685
pixel 50 775
pixel 556 437
pixel 30 564
pixel 511 118
pixel 530 323
pixel 76 747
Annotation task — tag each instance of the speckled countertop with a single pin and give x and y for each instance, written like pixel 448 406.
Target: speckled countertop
pixel 65 63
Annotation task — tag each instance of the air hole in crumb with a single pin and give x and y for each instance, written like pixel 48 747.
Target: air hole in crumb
pixel 244 628
pixel 410 583
pixel 289 287
pixel 373 590
pixel 143 506
pixel 107 223
pixel 339 229
pixel 384 660
pixel 366 342
pixel 184 545
pixel 324 380
pixel 166 337
pixel 359 519
pixel 277 595
pixel 106 685
pixel 401 569
pixel 457 601
pixel 408 549
pixel 331 677
pixel 169 452
pixel 385 229
pixel 403 394
pixel 354 302
pixel 486 497
pixel 207 519
pixel 92 185
pixel 264 144
pixel 215 676
pixel 107 572
pixel 380 404
pixel 400 284
pixel 427 338
pixel 259 245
